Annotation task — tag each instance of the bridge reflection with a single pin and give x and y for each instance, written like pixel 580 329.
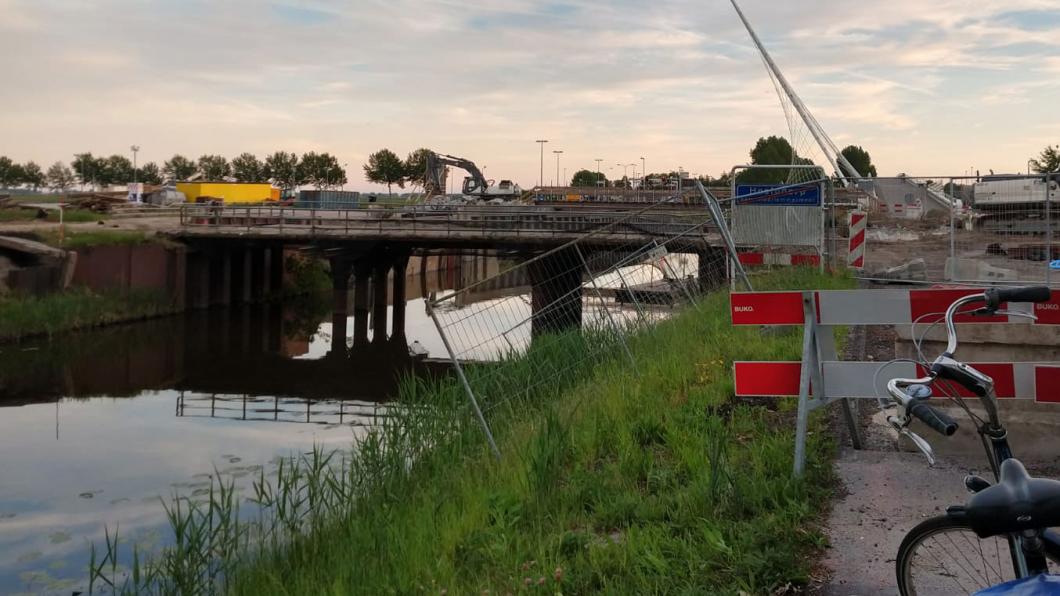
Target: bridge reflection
pixel 254 350
pixel 327 412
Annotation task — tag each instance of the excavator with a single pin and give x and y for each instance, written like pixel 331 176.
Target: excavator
pixel 476 187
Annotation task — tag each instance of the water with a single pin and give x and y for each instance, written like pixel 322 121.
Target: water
pixel 96 428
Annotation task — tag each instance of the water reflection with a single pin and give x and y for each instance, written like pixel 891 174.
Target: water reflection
pixel 96 427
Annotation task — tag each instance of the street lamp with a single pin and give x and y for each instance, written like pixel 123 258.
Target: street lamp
pixel 558 153
pixel 541 174
pixel 643 172
pixel 1029 161
pixel 135 149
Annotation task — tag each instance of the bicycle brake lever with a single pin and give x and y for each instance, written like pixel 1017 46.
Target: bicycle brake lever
pixel 921 444
pixel 1013 313
pixel 917 440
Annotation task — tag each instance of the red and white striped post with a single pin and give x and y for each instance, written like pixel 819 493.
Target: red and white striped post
pixel 856 245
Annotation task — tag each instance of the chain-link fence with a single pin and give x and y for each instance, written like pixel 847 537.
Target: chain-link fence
pixel 585 300
pixel 966 229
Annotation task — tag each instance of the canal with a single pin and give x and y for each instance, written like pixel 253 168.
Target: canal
pixel 98 428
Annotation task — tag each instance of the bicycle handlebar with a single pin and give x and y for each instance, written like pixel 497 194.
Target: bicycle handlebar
pixel 939 421
pixel 995 296
pixel 946 367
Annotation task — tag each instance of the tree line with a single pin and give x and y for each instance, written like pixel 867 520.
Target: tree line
pixel 284 169
pixel 385 167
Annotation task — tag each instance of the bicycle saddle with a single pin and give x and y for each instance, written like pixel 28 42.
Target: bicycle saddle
pixel 1017 502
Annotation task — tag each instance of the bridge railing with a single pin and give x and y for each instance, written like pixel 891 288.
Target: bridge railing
pixel 425 220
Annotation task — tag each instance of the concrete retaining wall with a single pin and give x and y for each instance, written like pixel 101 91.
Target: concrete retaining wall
pixel 132 267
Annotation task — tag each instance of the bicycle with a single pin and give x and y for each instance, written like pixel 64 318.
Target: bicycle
pixel 1002 533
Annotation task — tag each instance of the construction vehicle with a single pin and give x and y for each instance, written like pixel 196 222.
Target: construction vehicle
pixel 475 188
pixel 1015 204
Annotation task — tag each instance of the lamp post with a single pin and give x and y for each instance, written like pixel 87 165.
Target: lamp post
pixel 541 174
pixel 135 149
pixel 1029 161
pixel 558 153
pixel 643 172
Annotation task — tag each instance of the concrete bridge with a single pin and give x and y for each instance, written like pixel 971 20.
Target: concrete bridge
pixel 237 251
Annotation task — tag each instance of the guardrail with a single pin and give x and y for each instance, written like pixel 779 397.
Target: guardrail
pixel 447 221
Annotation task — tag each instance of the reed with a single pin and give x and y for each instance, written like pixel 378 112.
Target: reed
pixel 613 479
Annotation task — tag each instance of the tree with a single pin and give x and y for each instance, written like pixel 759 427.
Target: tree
pixel 86 168
pixel 214 168
pixel 385 167
pixel 10 173
pixel 322 170
pixel 116 169
pixel 247 168
pixel 1048 161
pixel 179 168
pixel 60 177
pixel 589 178
pixel 32 175
pixel 772 150
pixel 860 159
pixel 416 168
pixel 283 169
pixel 150 174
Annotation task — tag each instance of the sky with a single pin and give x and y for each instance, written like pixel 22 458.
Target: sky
pixel 928 88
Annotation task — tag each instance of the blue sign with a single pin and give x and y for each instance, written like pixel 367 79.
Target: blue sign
pixel 809 195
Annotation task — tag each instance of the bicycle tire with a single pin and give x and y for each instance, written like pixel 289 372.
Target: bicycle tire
pixel 956 560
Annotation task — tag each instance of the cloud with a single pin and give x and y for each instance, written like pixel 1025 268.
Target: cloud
pixel 677 79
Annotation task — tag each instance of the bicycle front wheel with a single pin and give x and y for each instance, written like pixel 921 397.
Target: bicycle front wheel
pixel 944 556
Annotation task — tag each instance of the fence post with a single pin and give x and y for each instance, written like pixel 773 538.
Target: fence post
pixel 463 381
pixel 951 272
pixel 1048 227
pixel 607 311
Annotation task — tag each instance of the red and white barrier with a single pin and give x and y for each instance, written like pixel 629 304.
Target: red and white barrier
pixel 1039 381
pixel 875 307
pixel 821 378
pixel 776 258
pixel 856 245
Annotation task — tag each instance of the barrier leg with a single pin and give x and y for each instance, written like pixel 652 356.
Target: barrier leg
pixel 803 417
pixel 825 340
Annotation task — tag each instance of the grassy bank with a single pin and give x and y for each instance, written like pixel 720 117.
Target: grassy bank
pixel 24 316
pixel 653 480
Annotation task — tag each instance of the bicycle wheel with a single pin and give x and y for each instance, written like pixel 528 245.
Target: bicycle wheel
pixel 942 556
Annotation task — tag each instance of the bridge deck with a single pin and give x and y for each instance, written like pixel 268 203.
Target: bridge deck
pixel 498 226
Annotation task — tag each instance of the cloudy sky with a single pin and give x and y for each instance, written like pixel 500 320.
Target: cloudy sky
pixel 927 87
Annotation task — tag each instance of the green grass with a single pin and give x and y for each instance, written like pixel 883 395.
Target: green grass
pixel 22 316
pixel 37 198
pixel 102 237
pixel 70 216
pixel 612 480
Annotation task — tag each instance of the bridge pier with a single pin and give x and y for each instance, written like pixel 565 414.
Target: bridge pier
pixel 555 294
pixel 340 282
pixel 243 274
pixel 221 277
pixel 712 270
pixel 397 324
pixel 361 274
pixel 379 278
pixel 198 280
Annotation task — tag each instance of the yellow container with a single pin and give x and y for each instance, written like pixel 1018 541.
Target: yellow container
pixel 229 192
